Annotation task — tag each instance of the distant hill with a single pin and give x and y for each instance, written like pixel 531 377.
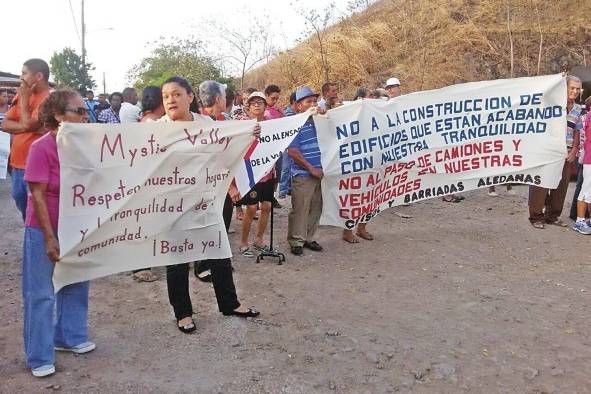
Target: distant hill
pixel 435 43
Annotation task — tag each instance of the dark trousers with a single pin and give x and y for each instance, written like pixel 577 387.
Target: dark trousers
pixel 228 210
pixel 177 280
pixel 550 199
pixel 203 265
pixel 278 168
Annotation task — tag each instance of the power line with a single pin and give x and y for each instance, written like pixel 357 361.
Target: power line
pixel 74 19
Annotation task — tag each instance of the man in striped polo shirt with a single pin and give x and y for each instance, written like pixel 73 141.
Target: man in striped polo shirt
pixel 545 206
pixel 306 173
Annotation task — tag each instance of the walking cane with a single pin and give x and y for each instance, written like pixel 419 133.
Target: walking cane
pixel 272 252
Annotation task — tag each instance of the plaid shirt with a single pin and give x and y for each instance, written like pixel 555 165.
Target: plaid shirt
pixel 108 116
pixel 573 123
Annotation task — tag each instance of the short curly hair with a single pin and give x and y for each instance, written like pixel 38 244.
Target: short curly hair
pixel 56 103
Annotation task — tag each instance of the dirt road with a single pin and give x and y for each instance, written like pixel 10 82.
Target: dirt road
pixel 456 298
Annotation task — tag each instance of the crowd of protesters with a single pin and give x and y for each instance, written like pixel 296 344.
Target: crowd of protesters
pixel 33 118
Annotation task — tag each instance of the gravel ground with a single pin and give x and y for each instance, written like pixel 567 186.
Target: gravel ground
pixel 449 298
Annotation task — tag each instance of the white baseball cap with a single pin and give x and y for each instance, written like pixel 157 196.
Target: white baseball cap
pixel 392 82
pixel 257 95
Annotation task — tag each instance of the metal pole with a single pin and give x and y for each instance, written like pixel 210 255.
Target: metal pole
pixel 83 36
pixel 104 84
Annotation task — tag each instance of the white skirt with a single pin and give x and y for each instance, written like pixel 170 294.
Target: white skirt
pixel 585 193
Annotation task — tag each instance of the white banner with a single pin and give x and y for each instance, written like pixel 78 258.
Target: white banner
pixel 144 194
pixel 378 154
pixel 4 153
pixel 276 135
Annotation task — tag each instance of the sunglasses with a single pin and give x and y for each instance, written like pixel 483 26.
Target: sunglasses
pixel 80 110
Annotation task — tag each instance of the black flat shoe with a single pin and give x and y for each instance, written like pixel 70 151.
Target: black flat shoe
pixel 315 246
pixel 250 313
pixel 187 328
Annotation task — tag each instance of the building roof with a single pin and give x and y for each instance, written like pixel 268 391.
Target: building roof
pixel 9 80
pixel 8 75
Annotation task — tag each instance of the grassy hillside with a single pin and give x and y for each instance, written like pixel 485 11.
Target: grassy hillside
pixel 434 43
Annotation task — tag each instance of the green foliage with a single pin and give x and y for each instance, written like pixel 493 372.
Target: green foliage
pixel 68 71
pixel 176 57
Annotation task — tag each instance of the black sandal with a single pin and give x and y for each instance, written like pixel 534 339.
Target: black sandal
pixel 187 328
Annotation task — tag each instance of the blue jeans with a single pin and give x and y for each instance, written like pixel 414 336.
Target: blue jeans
pixel 71 305
pixel 285 180
pixel 19 190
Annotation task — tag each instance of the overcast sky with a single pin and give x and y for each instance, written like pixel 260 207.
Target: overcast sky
pixel 117 31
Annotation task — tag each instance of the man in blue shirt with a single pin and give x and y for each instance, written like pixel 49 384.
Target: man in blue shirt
pixel 90 103
pixel 285 178
pixel 306 173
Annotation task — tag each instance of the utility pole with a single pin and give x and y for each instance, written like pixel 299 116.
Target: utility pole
pixel 83 36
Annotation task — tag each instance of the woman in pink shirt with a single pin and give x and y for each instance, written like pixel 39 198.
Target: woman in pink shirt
pixel 582 225
pixel 68 332
pixel 272 93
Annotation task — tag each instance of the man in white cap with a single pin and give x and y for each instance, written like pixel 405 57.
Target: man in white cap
pixel 393 87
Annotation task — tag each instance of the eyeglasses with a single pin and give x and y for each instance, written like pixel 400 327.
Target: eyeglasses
pixel 80 110
pixel 257 103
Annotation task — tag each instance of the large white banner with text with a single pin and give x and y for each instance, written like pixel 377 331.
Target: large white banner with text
pixel 144 194
pixel 378 154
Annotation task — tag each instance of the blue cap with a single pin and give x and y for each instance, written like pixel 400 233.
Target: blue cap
pixel 304 92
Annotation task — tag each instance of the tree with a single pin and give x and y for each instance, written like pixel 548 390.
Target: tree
pixel 67 70
pixel 176 57
pixel 317 23
pixel 511 46
pixel 357 5
pixel 244 48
